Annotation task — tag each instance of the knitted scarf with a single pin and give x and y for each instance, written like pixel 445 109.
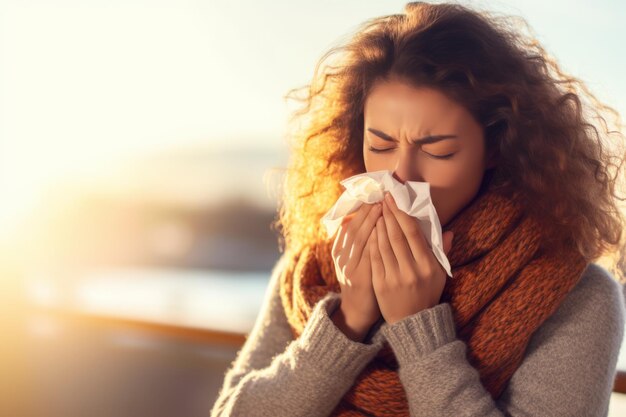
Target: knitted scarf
pixel 504 286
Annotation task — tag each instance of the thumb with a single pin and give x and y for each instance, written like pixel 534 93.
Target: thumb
pixel 447 241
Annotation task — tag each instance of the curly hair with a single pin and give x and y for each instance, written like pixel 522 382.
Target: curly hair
pixel 549 132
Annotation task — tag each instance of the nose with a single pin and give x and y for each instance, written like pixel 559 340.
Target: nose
pixel 398 177
pixel 405 168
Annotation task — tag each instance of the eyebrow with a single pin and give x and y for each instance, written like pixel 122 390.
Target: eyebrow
pixel 420 141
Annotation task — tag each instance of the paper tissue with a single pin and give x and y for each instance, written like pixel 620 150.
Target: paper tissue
pixel 412 197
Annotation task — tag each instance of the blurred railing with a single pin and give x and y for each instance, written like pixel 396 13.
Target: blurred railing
pixel 203 335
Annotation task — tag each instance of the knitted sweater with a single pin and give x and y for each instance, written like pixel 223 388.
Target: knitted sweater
pixel 568 368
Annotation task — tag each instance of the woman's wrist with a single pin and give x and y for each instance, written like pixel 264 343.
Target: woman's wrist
pixel 353 331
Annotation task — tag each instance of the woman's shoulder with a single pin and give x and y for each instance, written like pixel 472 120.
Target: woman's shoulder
pixel 595 307
pixel 598 290
pixel 574 353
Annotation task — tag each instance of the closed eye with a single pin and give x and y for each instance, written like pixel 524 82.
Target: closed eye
pixel 375 150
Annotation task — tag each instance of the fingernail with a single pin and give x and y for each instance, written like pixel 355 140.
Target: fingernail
pixel 388 197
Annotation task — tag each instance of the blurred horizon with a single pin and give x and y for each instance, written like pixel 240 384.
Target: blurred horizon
pixel 154 133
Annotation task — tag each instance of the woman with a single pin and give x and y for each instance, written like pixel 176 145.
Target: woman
pixel 367 323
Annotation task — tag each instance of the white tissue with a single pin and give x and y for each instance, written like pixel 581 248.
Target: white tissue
pixel 412 197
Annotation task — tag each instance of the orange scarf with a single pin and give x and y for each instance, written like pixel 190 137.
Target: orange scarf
pixel 504 286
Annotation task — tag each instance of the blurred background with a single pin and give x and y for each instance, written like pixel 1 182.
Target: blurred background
pixel 142 146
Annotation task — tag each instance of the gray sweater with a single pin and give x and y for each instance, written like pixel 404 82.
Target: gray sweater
pixel 568 369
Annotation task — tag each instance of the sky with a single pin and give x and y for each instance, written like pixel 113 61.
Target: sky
pixel 86 85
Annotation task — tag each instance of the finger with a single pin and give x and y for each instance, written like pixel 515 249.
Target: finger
pixel 397 239
pixel 365 255
pixel 338 251
pixel 376 260
pixel 362 236
pixel 412 232
pixel 386 251
pixel 339 240
pixel 356 223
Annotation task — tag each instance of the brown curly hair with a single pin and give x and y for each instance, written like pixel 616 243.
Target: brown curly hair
pixel 548 130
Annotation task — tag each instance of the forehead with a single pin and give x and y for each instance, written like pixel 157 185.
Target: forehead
pixel 395 99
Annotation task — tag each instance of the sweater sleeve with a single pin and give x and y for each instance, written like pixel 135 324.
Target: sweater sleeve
pixel 568 369
pixel 273 374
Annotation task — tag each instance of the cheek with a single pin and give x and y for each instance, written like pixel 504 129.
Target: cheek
pixel 454 187
pixel 374 162
pixel 458 174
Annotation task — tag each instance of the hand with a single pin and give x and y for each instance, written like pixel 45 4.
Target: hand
pixel 406 275
pixel 351 255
